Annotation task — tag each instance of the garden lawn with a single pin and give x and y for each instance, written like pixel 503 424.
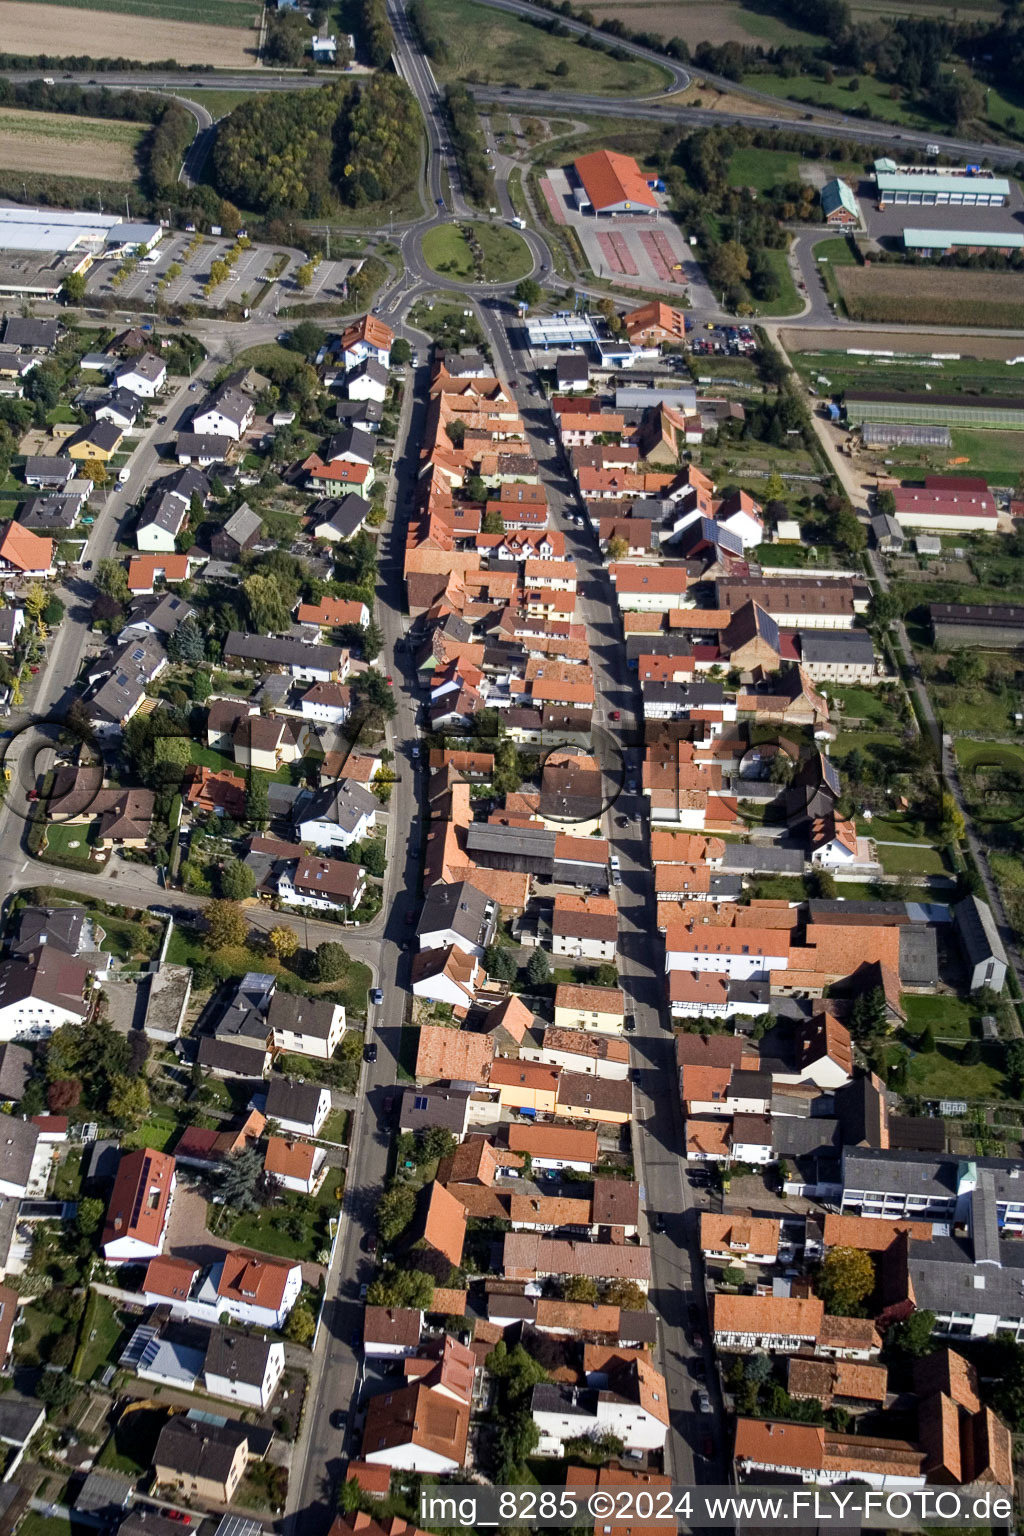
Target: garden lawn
pixel 59 840
pixel 67 1181
pixel 294 1227
pixel 890 830
pixel 102 1335
pixel 863 704
pixel 763 169
pixel 208 757
pixel 158 1132
pixel 950 1017
pixel 941 1074
pixel 132 1445
pixel 788 301
pixel 912 860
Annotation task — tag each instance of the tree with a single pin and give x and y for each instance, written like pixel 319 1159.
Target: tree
pixel 237 882
pixel 618 548
pixel 508 769
pixel 111 577
pixel 500 963
pixel 371 640
pixel 301 1325
pixel 172 752
pixel 775 486
pixel 89 1216
pixel 913 1336
pixel 186 643
pixel 401 1288
pixel 580 1288
pixel 966 668
pixel 73 288
pixel 373 700
pixel 95 470
pixel 606 975
pixel 394 1211
pixel 869 1016
pixel 730 267
pixel 528 291
pixel 926 1041
pixel 883 609
pixel 201 686
pixel 1015 1067
pixel 226 925
pixel 951 820
pixel 538 968
pixel 627 1295
pixel 845 1281
pixel 373 856
pixel 64 1094
pixel 437 1143
pixel 128 1104
pixel 240 1177
pixel 401 352
pixel 57 1389
pixel 304 275
pixel 267 607
pixel 283 941
pixel 332 962
pixel 257 801
pixel 307 337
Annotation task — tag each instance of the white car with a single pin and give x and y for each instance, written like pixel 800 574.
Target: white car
pixel 613 862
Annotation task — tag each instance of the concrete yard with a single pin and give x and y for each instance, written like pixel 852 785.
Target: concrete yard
pixel 887 224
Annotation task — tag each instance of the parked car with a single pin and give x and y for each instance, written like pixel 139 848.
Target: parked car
pixel 370 1053
pixel 658 1221
pixel 703 1402
pixel 376 996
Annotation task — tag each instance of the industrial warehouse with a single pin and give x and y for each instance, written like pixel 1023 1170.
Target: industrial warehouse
pixel 40 247
pixel 921 186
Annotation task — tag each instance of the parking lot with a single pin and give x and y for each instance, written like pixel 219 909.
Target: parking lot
pixel 886 225
pixel 650 251
pixel 248 275
pixel 722 341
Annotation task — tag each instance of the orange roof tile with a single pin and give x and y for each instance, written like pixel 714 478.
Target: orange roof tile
pixel 25 550
pixel 453 1054
pixel 445 1225
pixel 554 1141
pixel 610 179
pixel 254 1278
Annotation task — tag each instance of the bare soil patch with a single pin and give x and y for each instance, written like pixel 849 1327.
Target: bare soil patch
pixel 104 34
pixel 940 296
pixel 700 94
pixel 1000 348
pixel 92 147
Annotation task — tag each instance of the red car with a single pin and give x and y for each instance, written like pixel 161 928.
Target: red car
pixel 391 682
pixel 34 671
pixel 180 1516
pixel 616 714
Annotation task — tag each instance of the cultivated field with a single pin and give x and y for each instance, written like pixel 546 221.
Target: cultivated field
pixel 942 296
pixel 951 375
pixel 696 22
pixel 94 147
pixel 159 29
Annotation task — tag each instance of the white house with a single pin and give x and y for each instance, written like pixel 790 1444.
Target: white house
pixel 627 1399
pixel 327 703
pixel 391 1333
pixel 297 1166
pixel 368 382
pixel 160 522
pixel 585 928
pixel 255 1289
pixel 338 815
pixel 40 992
pixel 459 914
pixel 300 1108
pixel 227 413
pixel 305 1026
pixel 597 1055
pixel 743 953
pixel 19 1144
pixel 368 339
pixel 446 975
pixel 741 515
pixel 833 842
pixel 144 376
pixel 243 1368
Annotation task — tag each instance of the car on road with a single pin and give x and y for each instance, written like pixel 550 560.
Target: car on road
pixel 658 1221
pixel 622 821
pixel 86 565
pixel 192 388
pixel 703 1402
pixel 614 861
pixel 363 1291
pixel 616 714
pixel 376 996
pixel 415 753
pixel 630 1025
pixel 369 1243
pixel 161 421
pixel 180 1516
pixel 339 1418
pixel 370 1052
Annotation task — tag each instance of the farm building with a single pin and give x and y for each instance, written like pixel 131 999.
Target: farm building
pixel 887 434
pixel 928 409
pixel 608 183
pixel 925 188
pixel 999 627
pixel 838 203
pixel 943 242
pixel 946 511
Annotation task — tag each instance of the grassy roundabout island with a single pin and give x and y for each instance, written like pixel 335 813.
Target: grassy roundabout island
pixel 477 253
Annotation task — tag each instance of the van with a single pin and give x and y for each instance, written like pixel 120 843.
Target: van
pixel 518 223
pixel 124 475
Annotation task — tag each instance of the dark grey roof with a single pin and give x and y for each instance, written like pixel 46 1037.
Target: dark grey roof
pixel 740 992
pixel 368 369
pixel 570 1402
pixel 145 1522
pixel 675 644
pixel 15 1071
pixel 819 909
pixel 460 907
pixel 491 837
pixel 163 611
pixel 302 1015
pixel 127 405
pixel 573 367
pixel 49 514
pixel 924 1173
pixel 43 467
pixel 360 411
pixel 343 805
pixel 949 1279
pixel 639 1326
pixel 132 668
pixel 281 653
pixel 344 515
pixel 18 1140
pixel 917 1133
pixel 351 441
pixel 162 510
pixel 104 1495
pixel 227 402
pixel 434 1105
pixel 919 956
pixel 197 1448
pixel 238 1356
pixel 762 858
pixel 60 927
pixel 242 524
pixel 18 1417
pixel 33 334
pixel 795 1136
pixel 203 445
pixel 288 1099
pixel 234 1058
pixel 978 932
pixel 751 1085
pixel 822 645
pixel 186 482
pixel 99 434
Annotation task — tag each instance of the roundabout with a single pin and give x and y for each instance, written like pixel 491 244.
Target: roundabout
pixel 469 251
